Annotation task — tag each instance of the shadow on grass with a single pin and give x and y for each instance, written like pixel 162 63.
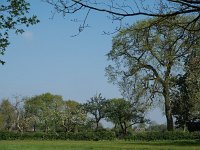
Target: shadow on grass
pixel 168 143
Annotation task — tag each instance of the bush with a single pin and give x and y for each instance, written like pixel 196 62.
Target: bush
pixel 100 135
pixel 166 135
pixel 91 135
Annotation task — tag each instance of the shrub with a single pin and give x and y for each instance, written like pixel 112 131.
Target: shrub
pixel 100 135
pixel 166 135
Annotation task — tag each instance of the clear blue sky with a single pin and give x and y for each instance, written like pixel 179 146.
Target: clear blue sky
pixel 46 59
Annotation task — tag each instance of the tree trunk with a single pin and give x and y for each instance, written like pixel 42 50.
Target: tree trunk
pixel 97 125
pixel 168 109
pixel 125 128
pixel 34 127
pixel 184 127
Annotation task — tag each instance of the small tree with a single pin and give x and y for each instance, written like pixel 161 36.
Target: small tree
pixel 7 113
pixel 72 116
pixel 124 113
pixel 96 107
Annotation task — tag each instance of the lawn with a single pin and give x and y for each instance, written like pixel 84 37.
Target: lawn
pixel 99 145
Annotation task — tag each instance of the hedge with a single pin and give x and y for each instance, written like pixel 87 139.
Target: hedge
pixel 100 135
pixel 167 135
pixel 91 135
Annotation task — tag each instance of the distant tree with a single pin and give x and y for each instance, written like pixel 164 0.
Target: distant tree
pixel 120 10
pixel 73 116
pixel 13 16
pixel 153 126
pixel 33 110
pixel 7 115
pixel 149 59
pixel 20 120
pixel 96 107
pixel 13 115
pixel 44 109
pixel 125 114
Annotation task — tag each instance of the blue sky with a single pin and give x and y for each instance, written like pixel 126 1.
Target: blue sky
pixel 47 59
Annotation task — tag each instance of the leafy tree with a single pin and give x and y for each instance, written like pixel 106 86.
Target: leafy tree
pixel 20 120
pixel 124 113
pixel 149 59
pixel 96 107
pixel 7 114
pixel 13 115
pixel 13 16
pixel 32 110
pixel 73 116
pixel 120 10
pixel 181 103
pixel 186 97
pixel 44 110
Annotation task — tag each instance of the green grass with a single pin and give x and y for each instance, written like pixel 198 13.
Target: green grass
pixel 99 145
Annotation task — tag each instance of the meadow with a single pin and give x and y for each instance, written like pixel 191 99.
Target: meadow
pixel 99 145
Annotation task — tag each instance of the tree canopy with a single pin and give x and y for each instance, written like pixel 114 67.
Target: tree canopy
pixel 149 59
pixel 186 96
pixel 13 17
pixel 96 107
pixel 124 113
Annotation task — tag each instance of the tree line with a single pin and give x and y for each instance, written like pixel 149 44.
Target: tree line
pixel 155 60
pixel 50 113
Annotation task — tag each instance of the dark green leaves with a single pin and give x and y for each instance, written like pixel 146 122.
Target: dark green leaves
pixel 13 18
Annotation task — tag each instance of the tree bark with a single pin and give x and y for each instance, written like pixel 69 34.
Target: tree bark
pixel 97 125
pixel 168 109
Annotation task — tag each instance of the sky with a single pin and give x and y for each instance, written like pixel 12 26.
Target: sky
pixel 45 58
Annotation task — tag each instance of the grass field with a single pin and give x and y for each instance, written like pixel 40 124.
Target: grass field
pixel 99 145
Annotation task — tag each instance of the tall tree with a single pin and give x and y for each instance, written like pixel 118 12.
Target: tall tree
pixel 150 58
pixel 13 16
pixel 96 107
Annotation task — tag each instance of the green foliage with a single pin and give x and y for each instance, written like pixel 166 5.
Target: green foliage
pixel 166 135
pixel 100 135
pixel 186 98
pixel 87 136
pixel 147 56
pixel 73 116
pixel 124 114
pixel 96 107
pixel 157 127
pixel 44 111
pixel 13 15
pixel 7 115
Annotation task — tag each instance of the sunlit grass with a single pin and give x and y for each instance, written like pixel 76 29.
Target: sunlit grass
pixel 99 145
